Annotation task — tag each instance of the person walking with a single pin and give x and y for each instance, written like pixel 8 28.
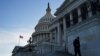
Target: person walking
pixel 76 44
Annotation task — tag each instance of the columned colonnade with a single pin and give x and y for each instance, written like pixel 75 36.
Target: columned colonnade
pixel 41 37
pixel 79 14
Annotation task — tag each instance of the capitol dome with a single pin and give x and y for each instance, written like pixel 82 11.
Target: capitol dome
pixel 45 21
pixel 48 17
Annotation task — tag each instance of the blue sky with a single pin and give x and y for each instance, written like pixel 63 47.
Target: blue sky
pixel 19 17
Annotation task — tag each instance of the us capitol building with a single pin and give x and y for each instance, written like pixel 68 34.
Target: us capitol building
pixel 56 33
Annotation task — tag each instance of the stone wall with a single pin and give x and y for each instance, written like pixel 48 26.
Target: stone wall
pixel 89 33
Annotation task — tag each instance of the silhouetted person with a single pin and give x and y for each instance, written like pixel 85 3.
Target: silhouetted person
pixel 76 44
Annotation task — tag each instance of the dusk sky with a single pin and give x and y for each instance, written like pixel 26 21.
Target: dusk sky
pixel 19 17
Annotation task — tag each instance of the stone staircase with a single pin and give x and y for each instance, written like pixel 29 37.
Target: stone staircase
pixel 60 53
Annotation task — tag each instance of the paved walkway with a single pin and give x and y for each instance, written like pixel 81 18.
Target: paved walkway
pixel 60 53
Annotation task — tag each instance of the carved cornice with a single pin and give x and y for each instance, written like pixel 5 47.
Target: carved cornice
pixel 63 7
pixel 71 7
pixel 60 8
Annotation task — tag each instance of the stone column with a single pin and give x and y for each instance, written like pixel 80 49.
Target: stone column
pixel 64 29
pixel 71 19
pixel 50 36
pixel 55 34
pixel 46 36
pixel 50 41
pixel 79 15
pixel 40 37
pixel 59 34
pixel 43 36
pixel 89 11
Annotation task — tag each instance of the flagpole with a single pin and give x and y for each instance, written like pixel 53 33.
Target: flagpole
pixel 20 37
pixel 19 41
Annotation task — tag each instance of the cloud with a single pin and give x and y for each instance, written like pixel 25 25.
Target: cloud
pixel 9 39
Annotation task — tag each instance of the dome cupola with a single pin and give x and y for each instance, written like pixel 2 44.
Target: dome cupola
pixel 48 17
pixel 48 9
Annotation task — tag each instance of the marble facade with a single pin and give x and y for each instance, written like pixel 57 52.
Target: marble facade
pixel 78 18
pixel 73 18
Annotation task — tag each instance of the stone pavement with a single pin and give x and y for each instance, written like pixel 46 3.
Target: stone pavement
pixel 60 53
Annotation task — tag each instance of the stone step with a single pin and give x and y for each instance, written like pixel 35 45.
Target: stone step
pixel 60 53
